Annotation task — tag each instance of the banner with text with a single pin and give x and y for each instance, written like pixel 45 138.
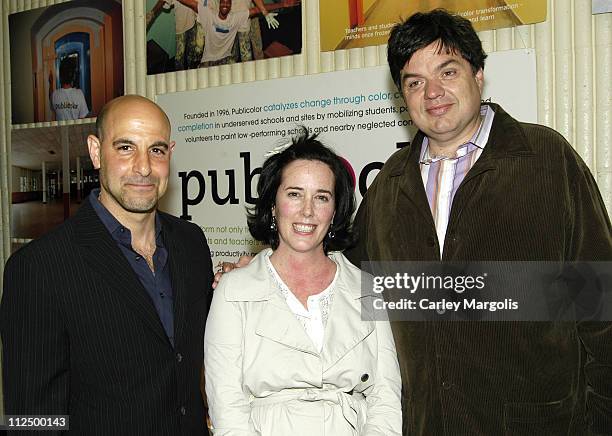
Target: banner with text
pixel 222 134
pixel 361 23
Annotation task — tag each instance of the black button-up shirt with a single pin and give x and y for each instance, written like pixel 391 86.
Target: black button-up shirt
pixel 157 284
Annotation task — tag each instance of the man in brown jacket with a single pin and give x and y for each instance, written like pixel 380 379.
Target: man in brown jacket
pixel 477 185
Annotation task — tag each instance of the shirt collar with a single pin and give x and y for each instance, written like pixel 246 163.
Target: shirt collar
pixel 479 139
pixel 119 232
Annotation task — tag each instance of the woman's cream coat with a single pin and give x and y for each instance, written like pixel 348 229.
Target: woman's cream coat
pixel 264 376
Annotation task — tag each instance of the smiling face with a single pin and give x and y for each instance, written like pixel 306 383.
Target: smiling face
pixel 225 6
pixel 133 157
pixel 443 95
pixel 304 207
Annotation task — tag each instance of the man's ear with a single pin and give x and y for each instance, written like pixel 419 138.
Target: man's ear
pixel 93 144
pixel 171 146
pixel 479 76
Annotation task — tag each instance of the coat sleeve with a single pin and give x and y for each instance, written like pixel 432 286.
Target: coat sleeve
pixel 228 404
pixel 35 351
pixel 591 240
pixel 384 416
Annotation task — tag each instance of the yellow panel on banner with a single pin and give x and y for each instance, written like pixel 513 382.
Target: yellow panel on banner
pixel 360 23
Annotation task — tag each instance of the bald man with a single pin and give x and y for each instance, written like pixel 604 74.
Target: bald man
pixel 103 318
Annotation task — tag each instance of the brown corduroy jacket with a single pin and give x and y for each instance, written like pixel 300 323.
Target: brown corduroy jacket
pixel 529 197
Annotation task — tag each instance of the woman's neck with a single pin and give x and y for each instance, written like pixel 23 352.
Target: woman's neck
pixel 305 274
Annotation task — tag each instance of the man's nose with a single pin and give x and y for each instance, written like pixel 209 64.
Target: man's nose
pixel 433 89
pixel 142 165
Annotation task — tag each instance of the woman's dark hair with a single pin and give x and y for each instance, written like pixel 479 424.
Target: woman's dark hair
pixel 303 147
pixel 454 34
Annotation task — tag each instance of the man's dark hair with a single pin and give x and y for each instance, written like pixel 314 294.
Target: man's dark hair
pixel 453 33
pixel 303 147
pixel 67 71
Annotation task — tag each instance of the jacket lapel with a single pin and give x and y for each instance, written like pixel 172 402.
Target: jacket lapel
pixel 407 171
pixel 506 141
pixel 101 253
pixel 346 327
pixel 276 321
pixel 176 262
pixel 280 325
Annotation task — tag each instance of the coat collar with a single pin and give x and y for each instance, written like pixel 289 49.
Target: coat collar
pixel 101 253
pixel 262 288
pixel 345 326
pixel 507 140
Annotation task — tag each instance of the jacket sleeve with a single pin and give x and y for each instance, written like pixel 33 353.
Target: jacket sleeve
pixel 35 351
pixel 384 416
pixel 591 240
pixel 228 404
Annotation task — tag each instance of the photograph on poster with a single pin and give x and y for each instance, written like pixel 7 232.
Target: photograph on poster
pixel 602 6
pixel 50 174
pixel 57 55
pixel 187 34
pixel 220 147
pixel 362 23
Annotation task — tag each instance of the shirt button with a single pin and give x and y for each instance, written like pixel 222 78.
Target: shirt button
pixel 137 257
pixel 179 357
pixel 182 410
pixel 364 378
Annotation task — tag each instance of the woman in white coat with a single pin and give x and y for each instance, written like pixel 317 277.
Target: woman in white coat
pixel 289 351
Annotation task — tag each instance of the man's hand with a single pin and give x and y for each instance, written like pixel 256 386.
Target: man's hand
pixel 272 22
pixel 224 267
